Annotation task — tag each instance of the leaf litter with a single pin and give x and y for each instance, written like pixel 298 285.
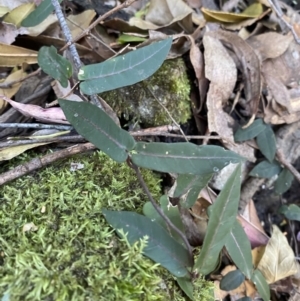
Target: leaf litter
pixel 244 66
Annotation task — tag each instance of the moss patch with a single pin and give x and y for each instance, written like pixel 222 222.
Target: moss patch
pixel 74 254
pixel 169 85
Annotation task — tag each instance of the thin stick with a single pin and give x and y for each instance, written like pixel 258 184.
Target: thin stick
pixel 288 165
pixel 101 18
pixel 158 209
pixel 38 163
pixel 73 51
pixel 67 34
pixel 59 139
pixel 276 7
pixel 36 126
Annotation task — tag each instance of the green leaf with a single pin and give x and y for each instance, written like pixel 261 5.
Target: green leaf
pixel 171 212
pixel 265 169
pixel 161 248
pixel 291 212
pixel 124 70
pixel 221 221
pixel 186 285
pixel 266 142
pixel 126 38
pixel 39 14
pixel 239 249
pixel 250 132
pixel 183 157
pixel 261 285
pixel 188 188
pixel 232 280
pixel 54 64
pixel 98 128
pixel 284 181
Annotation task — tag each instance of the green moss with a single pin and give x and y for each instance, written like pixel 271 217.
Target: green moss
pixel 74 254
pixel 169 85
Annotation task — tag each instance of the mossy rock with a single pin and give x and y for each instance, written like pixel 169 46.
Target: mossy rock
pixel 73 254
pixel 140 102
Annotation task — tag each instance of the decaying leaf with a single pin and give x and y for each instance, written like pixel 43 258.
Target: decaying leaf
pixel 11 56
pixel 249 65
pixel 54 115
pixel 221 70
pixel 261 44
pixel 14 76
pixel 165 13
pixel 278 261
pixel 281 76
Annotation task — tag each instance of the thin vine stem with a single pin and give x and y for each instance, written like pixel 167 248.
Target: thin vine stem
pixel 159 210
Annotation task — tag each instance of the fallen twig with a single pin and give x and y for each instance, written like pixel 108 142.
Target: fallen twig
pixel 38 163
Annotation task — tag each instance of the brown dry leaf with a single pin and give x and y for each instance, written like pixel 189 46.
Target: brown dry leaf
pixel 247 288
pixel 18 14
pixel 261 44
pixel 243 24
pixel 252 226
pixel 282 79
pixel 55 115
pixel 221 70
pixel 197 61
pixel 78 23
pixel 14 76
pixel 14 151
pixel 62 92
pixel 11 56
pixel 43 40
pixel 249 65
pixel 257 254
pixel 273 118
pixel 163 13
pixel 100 45
pixel 278 261
pixel 253 11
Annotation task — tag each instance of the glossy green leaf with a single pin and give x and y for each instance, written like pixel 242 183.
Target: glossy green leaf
pixel 239 248
pixel 232 280
pixel 171 212
pixel 183 157
pixel 55 65
pixel 221 221
pixel 124 70
pixel 39 14
pixel 98 128
pixel 261 285
pixel 188 188
pixel 284 181
pixel 265 169
pixel 291 212
pixel 161 248
pixel 186 285
pixel 266 142
pixel 250 132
